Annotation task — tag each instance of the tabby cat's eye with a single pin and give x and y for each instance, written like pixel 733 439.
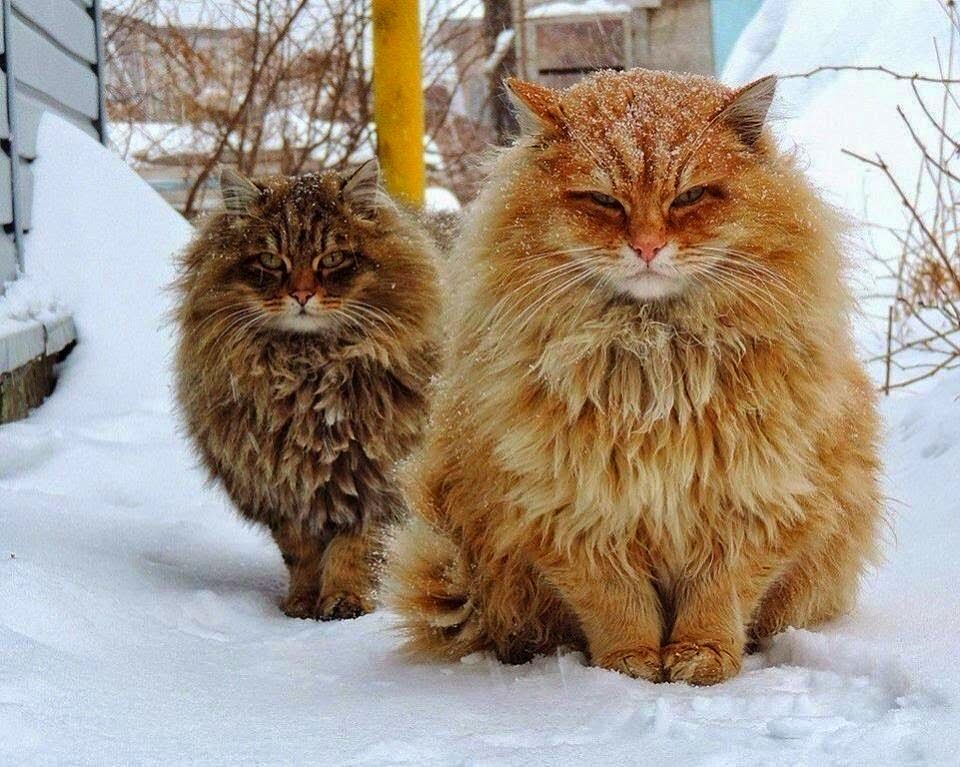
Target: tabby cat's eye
pixel 271 261
pixel 688 197
pixel 333 260
pixel 605 200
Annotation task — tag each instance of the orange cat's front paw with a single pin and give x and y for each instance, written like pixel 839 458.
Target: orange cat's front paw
pixel 640 663
pixel 342 606
pixel 701 663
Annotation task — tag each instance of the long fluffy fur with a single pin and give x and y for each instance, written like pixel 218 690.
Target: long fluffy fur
pixel 610 473
pixel 304 430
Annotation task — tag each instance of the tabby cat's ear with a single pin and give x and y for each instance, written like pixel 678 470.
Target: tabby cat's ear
pixel 538 107
pixel 747 112
pixel 361 188
pixel 238 192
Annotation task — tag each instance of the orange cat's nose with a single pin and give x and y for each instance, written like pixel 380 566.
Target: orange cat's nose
pixel 302 296
pixel 648 245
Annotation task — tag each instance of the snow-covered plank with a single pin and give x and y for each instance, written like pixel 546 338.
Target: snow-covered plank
pixel 60 334
pixel 64 21
pixel 41 66
pixel 20 345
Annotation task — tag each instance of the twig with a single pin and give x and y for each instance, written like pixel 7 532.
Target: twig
pixel 915 77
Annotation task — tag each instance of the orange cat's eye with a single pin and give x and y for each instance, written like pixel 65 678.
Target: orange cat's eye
pixel 690 196
pixel 333 260
pixel 270 261
pixel 605 200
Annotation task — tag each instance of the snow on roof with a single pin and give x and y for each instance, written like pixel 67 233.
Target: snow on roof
pixel 585 8
pixel 549 9
pixel 228 14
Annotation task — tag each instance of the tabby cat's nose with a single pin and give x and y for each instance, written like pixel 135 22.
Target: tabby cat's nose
pixel 302 296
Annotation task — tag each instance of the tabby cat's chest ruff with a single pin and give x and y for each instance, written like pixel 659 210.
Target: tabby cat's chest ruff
pixel 310 436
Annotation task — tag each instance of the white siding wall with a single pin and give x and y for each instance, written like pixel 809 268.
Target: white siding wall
pixel 52 64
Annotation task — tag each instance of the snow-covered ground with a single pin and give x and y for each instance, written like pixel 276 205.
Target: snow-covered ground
pixel 139 620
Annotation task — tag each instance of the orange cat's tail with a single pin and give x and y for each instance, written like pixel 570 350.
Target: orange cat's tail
pixel 427 584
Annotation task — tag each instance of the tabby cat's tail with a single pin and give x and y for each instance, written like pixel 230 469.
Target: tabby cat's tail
pixel 427 583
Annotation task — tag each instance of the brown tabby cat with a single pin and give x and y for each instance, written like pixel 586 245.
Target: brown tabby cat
pixel 654 441
pixel 307 339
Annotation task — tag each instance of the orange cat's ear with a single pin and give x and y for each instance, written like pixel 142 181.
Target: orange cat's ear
pixel 747 112
pixel 238 191
pixel 538 107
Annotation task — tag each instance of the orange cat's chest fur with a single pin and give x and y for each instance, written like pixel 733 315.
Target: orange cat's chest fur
pixel 667 425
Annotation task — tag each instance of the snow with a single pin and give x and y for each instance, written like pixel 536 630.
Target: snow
pixel 138 616
pixel 96 223
pixel 830 111
pixel 440 200
pixel 500 48
pixel 27 301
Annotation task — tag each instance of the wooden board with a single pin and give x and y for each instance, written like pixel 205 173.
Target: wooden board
pixel 4 123
pixel 40 65
pixel 8 257
pixel 6 207
pixel 64 21
pixel 25 179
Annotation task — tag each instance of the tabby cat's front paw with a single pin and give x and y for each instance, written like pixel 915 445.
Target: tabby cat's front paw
pixel 640 663
pixel 342 605
pixel 701 663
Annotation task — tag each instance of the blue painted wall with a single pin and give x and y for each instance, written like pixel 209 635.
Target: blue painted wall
pixel 729 17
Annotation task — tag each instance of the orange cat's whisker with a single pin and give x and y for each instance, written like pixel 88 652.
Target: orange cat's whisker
pixel 521 322
pixel 516 296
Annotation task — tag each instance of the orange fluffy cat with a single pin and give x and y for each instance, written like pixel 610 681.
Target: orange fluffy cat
pixel 654 441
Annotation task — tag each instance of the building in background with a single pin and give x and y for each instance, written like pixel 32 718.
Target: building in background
pixel 556 42
pixel 560 41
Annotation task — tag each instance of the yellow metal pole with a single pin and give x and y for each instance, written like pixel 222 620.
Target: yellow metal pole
pixel 398 97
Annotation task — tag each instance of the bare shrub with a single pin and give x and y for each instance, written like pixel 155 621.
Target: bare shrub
pixel 923 312
pixel 270 87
